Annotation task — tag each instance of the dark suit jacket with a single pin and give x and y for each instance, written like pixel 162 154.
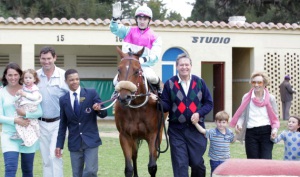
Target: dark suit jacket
pixel 81 128
pixel 286 91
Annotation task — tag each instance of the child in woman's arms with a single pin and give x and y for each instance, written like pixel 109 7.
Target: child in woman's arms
pixel 28 98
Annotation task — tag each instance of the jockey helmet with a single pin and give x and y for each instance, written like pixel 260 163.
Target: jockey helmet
pixel 143 11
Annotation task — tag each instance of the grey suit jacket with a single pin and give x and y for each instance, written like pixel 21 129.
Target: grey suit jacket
pixel 286 91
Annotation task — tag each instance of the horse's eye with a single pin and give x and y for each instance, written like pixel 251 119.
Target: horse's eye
pixel 136 72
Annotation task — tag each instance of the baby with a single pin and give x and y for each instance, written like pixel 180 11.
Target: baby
pixel 28 98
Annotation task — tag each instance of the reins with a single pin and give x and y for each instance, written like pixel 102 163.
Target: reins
pixel 161 120
pixel 113 99
pixel 137 84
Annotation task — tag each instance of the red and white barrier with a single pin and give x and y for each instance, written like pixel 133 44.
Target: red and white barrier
pixel 257 167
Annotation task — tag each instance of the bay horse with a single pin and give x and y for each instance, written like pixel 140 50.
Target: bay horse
pixel 136 115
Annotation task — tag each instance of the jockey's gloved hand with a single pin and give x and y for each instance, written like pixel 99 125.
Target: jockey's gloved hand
pixel 117 10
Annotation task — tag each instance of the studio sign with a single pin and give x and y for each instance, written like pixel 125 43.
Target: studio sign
pixel 214 40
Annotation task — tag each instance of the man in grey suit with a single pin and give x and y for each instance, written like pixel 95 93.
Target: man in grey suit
pixel 286 93
pixel 79 109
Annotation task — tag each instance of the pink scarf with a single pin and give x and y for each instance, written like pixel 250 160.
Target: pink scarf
pixel 272 116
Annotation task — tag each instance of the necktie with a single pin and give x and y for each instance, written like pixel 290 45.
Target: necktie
pixel 76 105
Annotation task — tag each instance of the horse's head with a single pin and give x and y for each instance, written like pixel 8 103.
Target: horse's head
pixel 129 76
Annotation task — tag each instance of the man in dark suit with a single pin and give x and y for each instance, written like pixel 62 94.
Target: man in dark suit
pixel 286 95
pixel 79 109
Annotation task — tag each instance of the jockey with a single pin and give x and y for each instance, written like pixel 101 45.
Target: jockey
pixel 137 37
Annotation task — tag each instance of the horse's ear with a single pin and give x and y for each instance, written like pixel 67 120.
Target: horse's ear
pixel 120 52
pixel 140 53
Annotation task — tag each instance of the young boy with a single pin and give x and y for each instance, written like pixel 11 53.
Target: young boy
pixel 79 109
pixel 220 139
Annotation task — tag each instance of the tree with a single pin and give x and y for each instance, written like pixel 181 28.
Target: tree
pixel 3 11
pixel 157 6
pixel 158 10
pixel 276 11
pixel 204 10
pixel 174 16
pixel 56 8
pixel 80 9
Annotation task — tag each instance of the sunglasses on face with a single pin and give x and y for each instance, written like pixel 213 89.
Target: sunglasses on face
pixel 257 82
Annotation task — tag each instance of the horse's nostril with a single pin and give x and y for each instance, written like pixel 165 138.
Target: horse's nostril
pixel 121 99
pixel 124 99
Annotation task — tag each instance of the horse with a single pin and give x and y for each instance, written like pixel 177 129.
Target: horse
pixel 137 117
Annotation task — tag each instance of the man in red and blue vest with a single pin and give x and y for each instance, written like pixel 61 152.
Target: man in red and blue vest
pixel 187 99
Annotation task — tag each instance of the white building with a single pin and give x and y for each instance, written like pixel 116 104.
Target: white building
pixel 224 54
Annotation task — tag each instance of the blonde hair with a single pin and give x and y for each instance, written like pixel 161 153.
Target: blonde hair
pixel 264 75
pixel 222 115
pixel 183 55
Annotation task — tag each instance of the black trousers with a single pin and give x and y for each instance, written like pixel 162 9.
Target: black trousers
pixel 258 143
pixel 187 147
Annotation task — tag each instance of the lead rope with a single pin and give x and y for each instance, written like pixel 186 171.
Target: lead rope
pixel 160 122
pixel 113 99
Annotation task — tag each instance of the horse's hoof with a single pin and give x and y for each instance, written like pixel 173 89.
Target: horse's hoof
pixel 152 170
pixel 128 172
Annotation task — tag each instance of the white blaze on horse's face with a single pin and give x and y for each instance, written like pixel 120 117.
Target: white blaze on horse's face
pixel 127 67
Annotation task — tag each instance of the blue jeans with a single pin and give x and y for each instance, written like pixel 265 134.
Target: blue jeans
pixel 214 165
pixel 11 164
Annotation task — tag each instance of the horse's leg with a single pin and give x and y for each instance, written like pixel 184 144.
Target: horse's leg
pixel 126 144
pixel 134 158
pixel 152 167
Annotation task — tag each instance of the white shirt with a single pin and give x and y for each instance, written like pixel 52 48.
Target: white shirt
pixel 72 97
pixel 51 90
pixel 258 116
pixel 185 84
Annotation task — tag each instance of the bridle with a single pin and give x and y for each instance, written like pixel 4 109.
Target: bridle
pixel 141 79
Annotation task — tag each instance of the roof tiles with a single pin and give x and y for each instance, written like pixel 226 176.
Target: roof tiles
pixel 157 23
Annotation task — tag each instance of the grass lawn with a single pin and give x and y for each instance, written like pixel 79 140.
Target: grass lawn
pixel 111 160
